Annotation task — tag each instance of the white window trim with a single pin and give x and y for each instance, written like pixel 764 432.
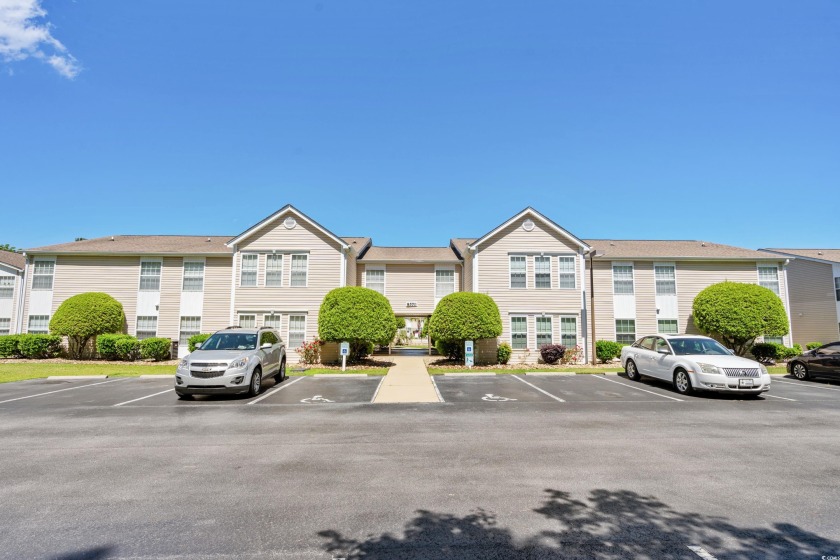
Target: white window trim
pixel 157 323
pixel 242 268
pixel 635 326
pixel 578 336
pixel 32 282
pixel 247 314
pixel 574 271
pixel 554 323
pixel 384 276
pixel 454 280
pixel 279 317
pixel 676 283
pixel 291 267
pixel 510 330
pixel 13 286
pixel 550 271
pixel 180 324
pixel 510 270
pixel 289 329
pixel 778 276
pixel 659 330
pixel 186 260
pixel 633 272
pixel 158 260
pixel 29 323
pixel 282 270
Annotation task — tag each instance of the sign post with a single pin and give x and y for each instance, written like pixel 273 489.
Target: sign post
pixel 468 353
pixel 345 351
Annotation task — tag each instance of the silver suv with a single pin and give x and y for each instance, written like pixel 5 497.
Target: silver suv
pixel 233 360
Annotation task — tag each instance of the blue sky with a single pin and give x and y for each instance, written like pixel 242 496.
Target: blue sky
pixel 414 122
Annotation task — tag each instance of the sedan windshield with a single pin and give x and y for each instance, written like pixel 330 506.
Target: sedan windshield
pixel 230 341
pixel 693 346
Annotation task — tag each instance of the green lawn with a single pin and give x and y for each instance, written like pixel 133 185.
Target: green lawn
pixel 34 370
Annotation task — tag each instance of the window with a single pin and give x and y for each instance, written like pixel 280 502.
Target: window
pixel 274 270
pixel 247 321
pixel 567 273
pixel 774 339
pixel 666 281
pixel 623 280
pixel 543 331
pixel 625 330
pixel 837 288
pixel 518 333
pixel 542 273
pixel 268 337
pixel 272 321
pixel 668 326
pixel 39 324
pixel 5 326
pixel 517 272
pixel 7 287
pixel 568 331
pixel 768 276
pixel 193 276
pixel 149 276
pixel 42 275
pixel 146 327
pixel 662 346
pixel 300 266
pixel 375 279
pixel 444 282
pixel 190 326
pixel 297 331
pixel 248 274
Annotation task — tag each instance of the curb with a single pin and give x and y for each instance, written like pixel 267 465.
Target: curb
pixel 342 375
pixel 64 377
pixel 470 374
pixel 550 373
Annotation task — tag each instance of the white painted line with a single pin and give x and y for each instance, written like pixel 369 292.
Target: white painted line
pixel 377 388
pixel 440 397
pixel 470 374
pixel 550 373
pixel 146 397
pixel 775 397
pixel 558 399
pixel 63 377
pixel 60 390
pixel 701 552
pixel 637 388
pixel 350 375
pixel 805 385
pixel 275 390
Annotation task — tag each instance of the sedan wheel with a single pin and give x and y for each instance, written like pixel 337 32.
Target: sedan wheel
pixel 256 383
pixel 682 382
pixel 631 371
pixel 800 371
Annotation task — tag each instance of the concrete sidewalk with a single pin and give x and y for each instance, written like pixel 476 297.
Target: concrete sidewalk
pixel 407 382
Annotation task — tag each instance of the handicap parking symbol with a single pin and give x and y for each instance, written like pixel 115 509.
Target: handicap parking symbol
pixel 490 397
pixel 316 399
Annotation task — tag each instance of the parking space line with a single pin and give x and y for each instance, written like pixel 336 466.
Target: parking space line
pixel 60 390
pixel 146 397
pixel 275 390
pixel 637 388
pixel 434 383
pixel 558 399
pixel 701 552
pixel 381 381
pixel 783 398
pixel 806 385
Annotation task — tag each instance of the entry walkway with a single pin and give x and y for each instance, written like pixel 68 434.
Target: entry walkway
pixel 407 382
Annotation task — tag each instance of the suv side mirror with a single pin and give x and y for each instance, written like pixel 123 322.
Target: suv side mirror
pixel 266 346
pixel 197 345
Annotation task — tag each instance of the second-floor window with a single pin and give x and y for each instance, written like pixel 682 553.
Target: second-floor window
pixel 375 279
pixel 7 287
pixel 42 275
pixel 666 281
pixel 193 276
pixel 623 280
pixel 444 282
pixel 248 274
pixel 567 273
pixel 274 270
pixel 300 268
pixel 768 276
pixel 837 288
pixel 518 271
pixel 150 276
pixel 542 272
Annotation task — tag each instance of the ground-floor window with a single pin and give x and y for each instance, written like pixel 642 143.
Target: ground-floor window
pixel 625 331
pixel 297 331
pixel 519 333
pixel 774 339
pixel 272 321
pixel 544 335
pixel 146 327
pixel 5 326
pixel 247 321
pixel 39 324
pixel 568 331
pixel 190 326
pixel 668 326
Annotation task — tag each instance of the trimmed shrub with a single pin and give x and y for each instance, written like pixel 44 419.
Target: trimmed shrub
pixel 399 322
pixel 552 353
pixel 39 346
pixel 196 339
pixel 156 349
pixel 128 348
pixel 607 350
pixel 85 316
pixel 504 352
pixel 452 350
pixel 737 313
pixel 463 316
pixel 358 315
pixel 813 345
pixel 9 346
pixel 106 345
pixel 785 353
pixel 764 351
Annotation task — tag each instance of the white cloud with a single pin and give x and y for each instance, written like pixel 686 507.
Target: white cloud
pixel 24 33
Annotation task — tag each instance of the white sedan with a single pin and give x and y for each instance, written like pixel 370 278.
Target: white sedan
pixel 693 362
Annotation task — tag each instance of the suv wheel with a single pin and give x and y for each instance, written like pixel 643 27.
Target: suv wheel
pixel 800 371
pixel 281 376
pixel 184 396
pixel 631 371
pixel 256 383
pixel 682 382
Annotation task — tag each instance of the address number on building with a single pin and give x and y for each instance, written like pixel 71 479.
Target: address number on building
pixel 411 304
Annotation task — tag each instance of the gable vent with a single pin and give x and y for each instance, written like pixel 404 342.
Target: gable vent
pixel 528 225
pixel 289 223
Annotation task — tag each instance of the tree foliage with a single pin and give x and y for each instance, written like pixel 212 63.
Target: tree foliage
pixel 84 316
pixel 464 316
pixel 9 248
pixel 357 315
pixel 737 313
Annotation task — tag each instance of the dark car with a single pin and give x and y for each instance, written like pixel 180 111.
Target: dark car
pixel 820 362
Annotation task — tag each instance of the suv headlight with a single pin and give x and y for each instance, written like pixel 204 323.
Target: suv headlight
pixel 184 364
pixel 708 368
pixel 238 364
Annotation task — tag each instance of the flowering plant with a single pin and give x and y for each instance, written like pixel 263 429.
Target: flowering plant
pixel 310 352
pixel 572 355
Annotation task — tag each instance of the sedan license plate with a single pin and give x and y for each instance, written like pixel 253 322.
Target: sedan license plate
pixel 745 382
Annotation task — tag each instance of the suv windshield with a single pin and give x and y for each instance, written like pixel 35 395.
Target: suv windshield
pixel 230 341
pixel 690 346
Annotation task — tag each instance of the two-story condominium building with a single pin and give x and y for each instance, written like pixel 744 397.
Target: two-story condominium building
pixel 278 271
pixel 11 292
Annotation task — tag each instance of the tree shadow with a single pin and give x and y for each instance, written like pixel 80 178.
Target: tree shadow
pixel 607 524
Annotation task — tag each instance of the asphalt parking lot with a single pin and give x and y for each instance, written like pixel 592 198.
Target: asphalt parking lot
pixel 508 466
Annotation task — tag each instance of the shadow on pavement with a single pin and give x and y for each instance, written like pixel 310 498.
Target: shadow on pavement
pixel 608 524
pixel 90 554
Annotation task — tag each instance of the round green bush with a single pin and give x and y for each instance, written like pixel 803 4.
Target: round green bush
pixel 156 349
pixel 737 313
pixel 9 346
pixel 607 350
pixel 195 339
pixel 504 352
pixel 357 315
pixel 85 316
pixel 465 316
pixel 399 322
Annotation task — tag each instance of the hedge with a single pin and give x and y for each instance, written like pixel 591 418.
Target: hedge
pixel 606 350
pixel 128 348
pixel 117 347
pixel 813 345
pixel 766 351
pixel 39 346
pixel 9 346
pixel 156 349
pixel 85 316
pixel 195 339
pixel 358 315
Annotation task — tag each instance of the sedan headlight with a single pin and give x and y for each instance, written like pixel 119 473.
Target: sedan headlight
pixel 763 369
pixel 238 364
pixel 184 364
pixel 708 368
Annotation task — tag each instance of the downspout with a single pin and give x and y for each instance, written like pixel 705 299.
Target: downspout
pixel 583 314
pixel 787 299
pixel 592 303
pixel 21 296
pixel 233 287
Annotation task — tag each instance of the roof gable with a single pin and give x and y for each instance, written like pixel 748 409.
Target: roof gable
pixel 530 212
pixel 288 209
pixel 14 260
pixel 831 256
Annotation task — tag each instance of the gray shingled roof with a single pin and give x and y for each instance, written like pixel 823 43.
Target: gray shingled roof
pixel 143 244
pixel 832 255
pixel 610 249
pixel 12 259
pixel 410 254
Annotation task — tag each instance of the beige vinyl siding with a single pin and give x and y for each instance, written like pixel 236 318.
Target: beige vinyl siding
pixel 645 289
pixel 351 269
pixel 410 282
pixel 216 309
pixel 118 277
pixel 169 312
pixel 812 302
pixel 604 318
pixel 467 274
